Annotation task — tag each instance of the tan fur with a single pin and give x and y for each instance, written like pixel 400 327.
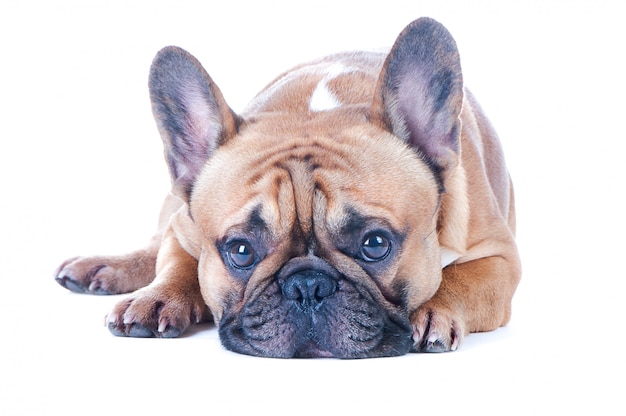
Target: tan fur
pixel 455 212
pixel 305 170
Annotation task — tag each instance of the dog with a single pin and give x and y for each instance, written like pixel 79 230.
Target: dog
pixel 359 207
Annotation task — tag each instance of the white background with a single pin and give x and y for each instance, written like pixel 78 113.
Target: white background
pixel 81 172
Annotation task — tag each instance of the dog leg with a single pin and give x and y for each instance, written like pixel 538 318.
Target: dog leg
pixel 170 304
pixel 473 297
pixel 110 275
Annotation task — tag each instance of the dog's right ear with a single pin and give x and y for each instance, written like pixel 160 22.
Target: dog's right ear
pixel 191 114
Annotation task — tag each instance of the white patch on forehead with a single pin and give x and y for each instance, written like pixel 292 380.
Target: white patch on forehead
pixel 322 98
pixel 448 257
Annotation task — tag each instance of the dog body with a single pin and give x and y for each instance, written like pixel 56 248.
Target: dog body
pixel 359 207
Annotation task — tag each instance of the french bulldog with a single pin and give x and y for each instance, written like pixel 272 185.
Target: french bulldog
pixel 360 206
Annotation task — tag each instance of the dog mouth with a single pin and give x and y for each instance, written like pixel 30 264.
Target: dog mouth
pixel 311 314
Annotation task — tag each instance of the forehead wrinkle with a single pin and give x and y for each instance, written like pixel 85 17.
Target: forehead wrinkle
pixel 277 198
pixel 302 187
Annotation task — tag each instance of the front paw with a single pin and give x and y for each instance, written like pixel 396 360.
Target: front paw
pixel 80 275
pixel 107 275
pixel 436 329
pixel 157 312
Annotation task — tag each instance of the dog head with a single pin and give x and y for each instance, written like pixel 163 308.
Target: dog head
pixel 316 232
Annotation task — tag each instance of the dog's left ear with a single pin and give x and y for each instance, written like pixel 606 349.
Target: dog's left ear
pixel 420 93
pixel 191 114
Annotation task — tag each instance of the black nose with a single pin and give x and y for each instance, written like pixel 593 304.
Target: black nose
pixel 309 288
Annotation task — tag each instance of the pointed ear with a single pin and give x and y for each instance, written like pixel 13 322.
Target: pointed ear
pixel 191 114
pixel 420 93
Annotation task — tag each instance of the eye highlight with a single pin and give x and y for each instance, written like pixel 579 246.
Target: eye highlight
pixel 241 255
pixel 375 247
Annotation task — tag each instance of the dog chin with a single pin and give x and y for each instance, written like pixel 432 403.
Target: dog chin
pixel 312 350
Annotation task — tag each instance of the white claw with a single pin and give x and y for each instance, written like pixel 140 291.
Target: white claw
pixel 128 319
pixel 433 338
pixel 110 318
pixel 162 325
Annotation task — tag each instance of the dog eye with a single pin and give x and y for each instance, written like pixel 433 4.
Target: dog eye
pixel 375 247
pixel 241 255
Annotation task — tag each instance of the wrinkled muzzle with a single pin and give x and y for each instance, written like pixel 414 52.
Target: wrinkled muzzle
pixel 311 310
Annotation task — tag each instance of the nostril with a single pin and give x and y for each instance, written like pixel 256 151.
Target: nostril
pixel 291 289
pixel 323 288
pixel 309 288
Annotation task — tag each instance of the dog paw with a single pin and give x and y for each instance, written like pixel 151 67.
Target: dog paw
pixel 436 330
pixel 156 312
pixel 107 275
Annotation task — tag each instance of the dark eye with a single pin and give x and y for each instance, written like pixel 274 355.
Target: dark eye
pixel 241 255
pixel 375 247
